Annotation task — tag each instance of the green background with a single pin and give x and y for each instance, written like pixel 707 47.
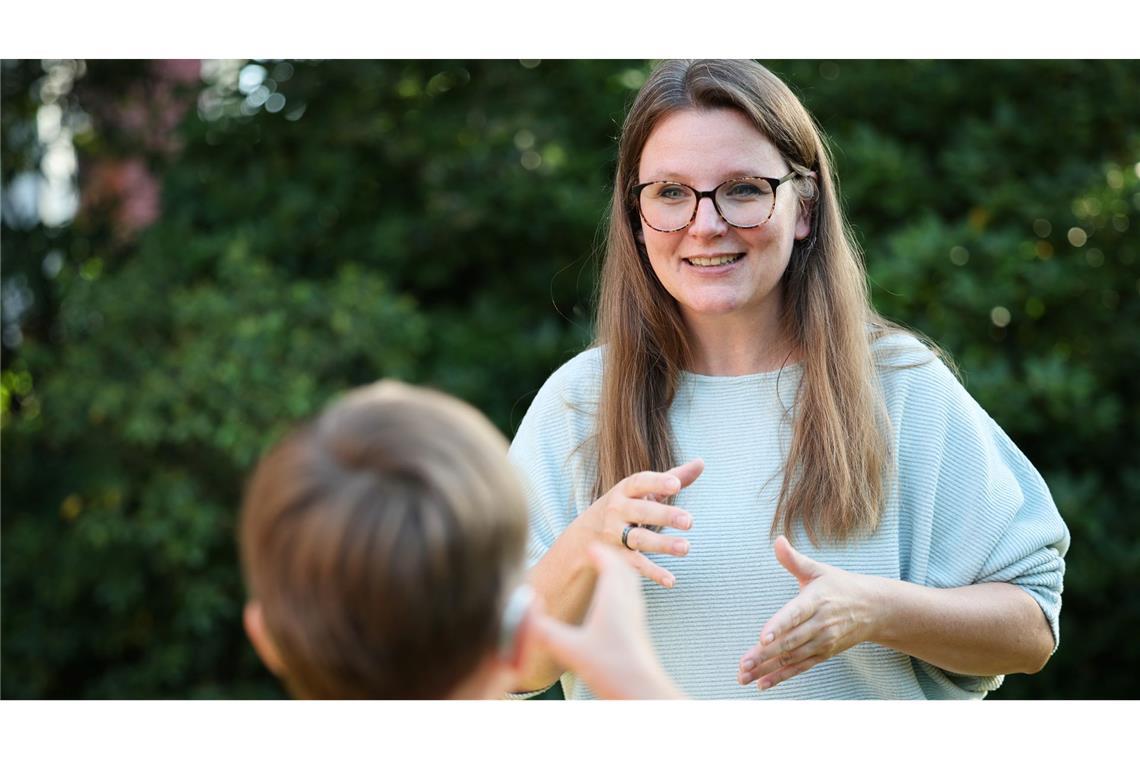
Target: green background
pixel 316 225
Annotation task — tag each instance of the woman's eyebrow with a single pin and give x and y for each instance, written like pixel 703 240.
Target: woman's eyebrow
pixel 662 176
pixel 672 176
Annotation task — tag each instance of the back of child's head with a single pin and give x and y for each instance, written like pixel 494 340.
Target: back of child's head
pixel 381 541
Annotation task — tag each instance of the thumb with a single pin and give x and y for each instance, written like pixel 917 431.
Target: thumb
pixel 795 563
pixel 608 560
pixel 565 642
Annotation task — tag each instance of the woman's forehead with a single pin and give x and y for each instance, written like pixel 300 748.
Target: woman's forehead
pixel 703 145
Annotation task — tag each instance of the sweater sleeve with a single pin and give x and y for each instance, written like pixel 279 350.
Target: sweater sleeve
pixel 972 507
pixel 551 451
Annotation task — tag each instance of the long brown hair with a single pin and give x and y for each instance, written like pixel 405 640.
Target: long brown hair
pixel 839 454
pixel 381 541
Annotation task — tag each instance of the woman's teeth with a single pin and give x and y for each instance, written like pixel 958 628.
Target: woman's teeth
pixel 714 261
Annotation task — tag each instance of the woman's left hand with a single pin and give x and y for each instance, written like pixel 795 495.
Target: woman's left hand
pixel 834 611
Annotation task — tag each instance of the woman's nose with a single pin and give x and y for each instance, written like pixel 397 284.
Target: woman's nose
pixel 708 220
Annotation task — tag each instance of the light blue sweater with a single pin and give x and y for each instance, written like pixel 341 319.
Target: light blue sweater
pixel 966 507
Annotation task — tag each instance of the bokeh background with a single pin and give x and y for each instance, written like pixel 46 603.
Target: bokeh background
pixel 195 254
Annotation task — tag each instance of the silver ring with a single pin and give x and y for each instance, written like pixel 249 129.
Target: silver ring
pixel 625 536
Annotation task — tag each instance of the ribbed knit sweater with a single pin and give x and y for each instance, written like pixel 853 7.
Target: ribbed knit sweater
pixel 965 507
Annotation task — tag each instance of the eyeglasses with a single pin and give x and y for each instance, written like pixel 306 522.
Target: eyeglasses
pixel 744 202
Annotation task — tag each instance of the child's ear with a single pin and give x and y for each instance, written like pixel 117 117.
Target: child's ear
pixel 525 640
pixel 258 635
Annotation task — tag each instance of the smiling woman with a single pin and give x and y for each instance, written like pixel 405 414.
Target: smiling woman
pixel 742 387
pixel 724 271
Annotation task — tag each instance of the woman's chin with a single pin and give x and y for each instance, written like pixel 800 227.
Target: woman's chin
pixel 714 302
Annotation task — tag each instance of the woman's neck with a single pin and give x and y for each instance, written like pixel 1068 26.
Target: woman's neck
pixel 738 343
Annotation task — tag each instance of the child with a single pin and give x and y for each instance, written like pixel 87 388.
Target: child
pixel 382 545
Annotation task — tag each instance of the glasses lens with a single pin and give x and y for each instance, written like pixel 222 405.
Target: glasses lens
pixel 745 202
pixel 666 205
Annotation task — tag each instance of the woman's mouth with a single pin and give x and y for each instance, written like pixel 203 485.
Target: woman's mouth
pixel 712 263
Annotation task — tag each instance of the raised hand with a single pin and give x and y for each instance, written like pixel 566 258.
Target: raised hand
pixel 611 650
pixel 834 611
pixel 633 501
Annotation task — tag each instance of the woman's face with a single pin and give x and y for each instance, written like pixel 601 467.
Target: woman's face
pixel 703 148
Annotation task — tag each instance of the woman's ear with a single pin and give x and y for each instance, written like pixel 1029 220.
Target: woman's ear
pixel 803 220
pixel 254 622
pixel 806 209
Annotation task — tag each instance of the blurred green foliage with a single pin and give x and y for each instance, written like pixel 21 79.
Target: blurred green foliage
pixel 327 223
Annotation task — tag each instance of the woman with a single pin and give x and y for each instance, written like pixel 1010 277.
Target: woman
pixel 742 389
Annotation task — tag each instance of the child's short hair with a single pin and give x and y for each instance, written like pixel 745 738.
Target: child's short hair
pixel 381 541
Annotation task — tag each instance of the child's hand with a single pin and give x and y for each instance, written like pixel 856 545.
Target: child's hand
pixel 611 650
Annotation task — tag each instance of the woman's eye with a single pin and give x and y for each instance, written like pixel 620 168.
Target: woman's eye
pixel 672 192
pixel 745 190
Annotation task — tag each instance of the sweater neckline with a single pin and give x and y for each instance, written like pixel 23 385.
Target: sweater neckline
pixel 790 369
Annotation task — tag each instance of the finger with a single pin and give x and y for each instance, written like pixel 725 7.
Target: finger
pixel 612 565
pixel 792 615
pixel 751 670
pixel 750 675
pixel 645 484
pixel 606 558
pixel 803 568
pixel 688 472
pixel 617 595
pixel 566 643
pixel 645 540
pixel 784 674
pixel 650 570
pixel 651 513
pixel 792 640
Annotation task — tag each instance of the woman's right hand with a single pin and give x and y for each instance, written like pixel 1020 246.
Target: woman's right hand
pixel 633 501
